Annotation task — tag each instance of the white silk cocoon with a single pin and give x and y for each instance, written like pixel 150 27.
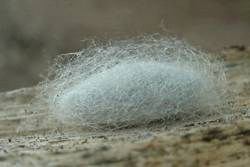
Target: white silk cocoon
pixel 131 82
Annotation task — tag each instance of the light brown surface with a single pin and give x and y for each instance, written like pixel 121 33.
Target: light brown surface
pixel 28 138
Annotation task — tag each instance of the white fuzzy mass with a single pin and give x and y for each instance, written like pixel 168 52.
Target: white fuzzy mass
pixel 136 82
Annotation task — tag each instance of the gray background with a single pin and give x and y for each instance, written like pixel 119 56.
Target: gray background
pixel 32 32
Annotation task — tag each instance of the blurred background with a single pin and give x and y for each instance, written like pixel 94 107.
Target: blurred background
pixel 32 32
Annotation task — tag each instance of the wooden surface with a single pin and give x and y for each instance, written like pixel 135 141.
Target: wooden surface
pixel 29 137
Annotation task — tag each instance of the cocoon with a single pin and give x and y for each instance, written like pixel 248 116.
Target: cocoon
pixel 134 82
